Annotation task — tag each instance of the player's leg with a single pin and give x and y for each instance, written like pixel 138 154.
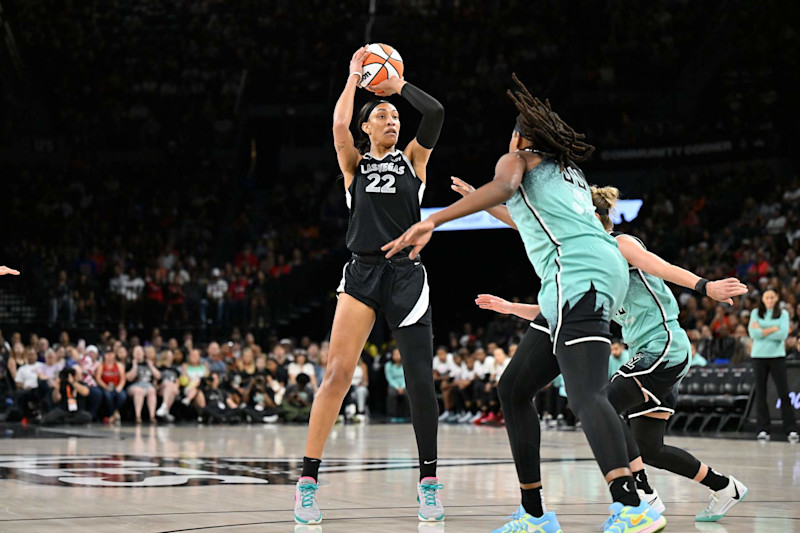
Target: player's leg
pixel 531 369
pixel 416 347
pixel 726 490
pixel 352 324
pixel 583 349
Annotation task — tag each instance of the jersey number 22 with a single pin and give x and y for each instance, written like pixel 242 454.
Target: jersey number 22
pixel 375 184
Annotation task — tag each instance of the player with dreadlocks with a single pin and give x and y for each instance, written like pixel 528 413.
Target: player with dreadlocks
pixel 584 279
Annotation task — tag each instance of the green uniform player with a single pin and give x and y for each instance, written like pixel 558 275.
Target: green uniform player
pixel 566 244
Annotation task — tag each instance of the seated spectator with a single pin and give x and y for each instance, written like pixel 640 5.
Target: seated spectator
pixel 29 394
pixel 300 365
pixel 16 360
pixel 69 397
pixel 193 372
pixel 88 364
pixel 142 377
pixel 220 407
pixel 443 367
pixel 491 403
pixel 49 372
pixel 260 398
pixel 355 403
pixel 464 390
pixel 321 365
pixel 697 357
pixel 85 298
pixel 168 388
pixel 278 382
pixel 110 377
pixel 298 400
pixel 215 361
pixel 396 391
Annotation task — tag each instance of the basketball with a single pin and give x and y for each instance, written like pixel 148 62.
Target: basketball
pixel 382 63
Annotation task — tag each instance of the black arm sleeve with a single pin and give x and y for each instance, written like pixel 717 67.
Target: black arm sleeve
pixel 432 114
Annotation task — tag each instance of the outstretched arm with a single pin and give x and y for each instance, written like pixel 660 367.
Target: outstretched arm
pixel 5 270
pixel 499 212
pixel 346 152
pixel 507 177
pixel 419 149
pixel 498 305
pixel 721 290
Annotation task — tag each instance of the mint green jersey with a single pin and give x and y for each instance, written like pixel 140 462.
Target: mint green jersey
pixel 649 319
pixel 565 242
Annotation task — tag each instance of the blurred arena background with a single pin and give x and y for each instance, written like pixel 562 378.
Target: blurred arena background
pixel 169 178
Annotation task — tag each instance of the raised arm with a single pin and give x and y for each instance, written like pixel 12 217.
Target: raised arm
pixel 419 149
pixel 721 290
pixel 499 212
pixel 346 152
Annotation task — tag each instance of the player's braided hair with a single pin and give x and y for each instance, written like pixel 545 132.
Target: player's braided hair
pixel 542 126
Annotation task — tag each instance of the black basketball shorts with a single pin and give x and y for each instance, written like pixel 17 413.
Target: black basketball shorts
pixel 397 287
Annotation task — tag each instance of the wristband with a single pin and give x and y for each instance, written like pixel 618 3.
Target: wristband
pixel 354 73
pixel 701 286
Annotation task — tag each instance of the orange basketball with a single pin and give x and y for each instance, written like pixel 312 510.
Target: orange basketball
pixel 382 63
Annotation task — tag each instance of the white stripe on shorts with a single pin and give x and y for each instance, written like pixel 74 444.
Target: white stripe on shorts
pixel 587 339
pixel 421 307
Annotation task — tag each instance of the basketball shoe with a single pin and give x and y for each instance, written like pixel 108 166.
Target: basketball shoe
pixel 627 519
pixel 722 501
pixel 652 499
pixel 522 522
pixel 430 504
pixel 306 510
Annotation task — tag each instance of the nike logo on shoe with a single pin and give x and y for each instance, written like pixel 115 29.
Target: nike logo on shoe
pixel 736 489
pixel 635 521
pixel 625 487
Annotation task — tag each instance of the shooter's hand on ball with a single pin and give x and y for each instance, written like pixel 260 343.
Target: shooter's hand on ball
pixel 357 62
pixel 417 236
pixel 5 270
pixel 387 87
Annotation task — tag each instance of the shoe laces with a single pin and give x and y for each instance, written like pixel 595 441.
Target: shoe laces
pixel 429 492
pixel 307 492
pixel 518 514
pixel 713 500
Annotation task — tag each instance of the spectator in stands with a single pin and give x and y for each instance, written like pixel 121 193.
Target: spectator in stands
pixel 300 365
pixel 85 299
pixel 142 377
pixel 216 292
pixel 88 364
pixel 355 405
pixel 260 397
pixel 619 356
pixel 175 302
pixel 69 397
pixel 49 372
pixel 298 399
pixel 697 357
pixel 193 372
pixel 705 345
pixel 443 367
pixel 220 405
pixel 110 377
pixel 29 395
pixel 321 365
pixel 132 290
pixel 769 328
pixel 168 388
pixel 16 360
pixel 62 302
pixel 215 361
pixel 396 391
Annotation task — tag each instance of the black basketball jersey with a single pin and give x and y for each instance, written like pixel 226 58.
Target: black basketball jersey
pixel 384 200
